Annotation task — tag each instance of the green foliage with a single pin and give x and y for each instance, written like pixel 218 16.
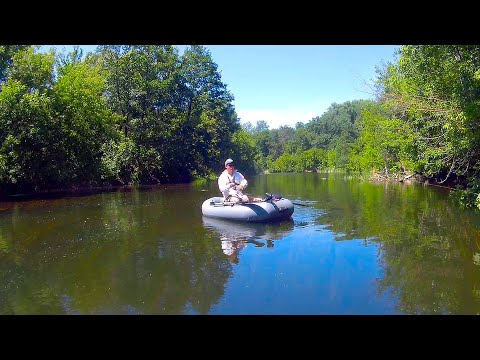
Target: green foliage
pixel 468 195
pixel 338 122
pixel 126 163
pixel 435 91
pixel 27 123
pixel 301 140
pixel 164 103
pixel 72 58
pixel 51 131
pixel 33 70
pixel 385 144
pixel 335 131
pixel 311 160
pixel 262 125
pixel 262 141
pixel 437 88
pixel 6 58
pixel 86 121
pixel 245 153
pixel 331 159
pixel 126 114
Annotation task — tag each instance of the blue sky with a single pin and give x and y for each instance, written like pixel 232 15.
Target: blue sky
pixel 286 84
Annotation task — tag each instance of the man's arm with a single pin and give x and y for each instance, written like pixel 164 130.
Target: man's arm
pixel 243 182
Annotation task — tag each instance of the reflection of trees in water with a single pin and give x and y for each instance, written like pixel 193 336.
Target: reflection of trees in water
pixel 113 254
pixel 234 236
pixel 428 247
pixel 183 278
pixel 432 270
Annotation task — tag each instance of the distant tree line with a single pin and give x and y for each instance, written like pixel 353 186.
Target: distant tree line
pixel 147 114
pixel 319 145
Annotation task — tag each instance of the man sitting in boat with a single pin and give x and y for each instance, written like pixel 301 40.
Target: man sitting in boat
pixel 232 183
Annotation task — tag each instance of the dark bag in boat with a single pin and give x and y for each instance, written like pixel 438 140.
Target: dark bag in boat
pixel 274 197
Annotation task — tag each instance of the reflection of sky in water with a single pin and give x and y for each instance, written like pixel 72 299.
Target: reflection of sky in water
pixel 307 272
pixel 306 215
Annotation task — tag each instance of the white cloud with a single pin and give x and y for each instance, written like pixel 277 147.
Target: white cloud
pixel 277 118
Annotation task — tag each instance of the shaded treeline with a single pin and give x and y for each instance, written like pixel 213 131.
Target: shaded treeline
pixel 146 114
pixel 122 115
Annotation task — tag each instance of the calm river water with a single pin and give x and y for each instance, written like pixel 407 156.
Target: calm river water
pixel 351 247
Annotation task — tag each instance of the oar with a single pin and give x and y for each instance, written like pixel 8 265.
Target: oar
pixel 305 203
pixel 270 196
pixel 295 203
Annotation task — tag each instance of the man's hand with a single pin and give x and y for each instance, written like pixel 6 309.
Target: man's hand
pixel 240 187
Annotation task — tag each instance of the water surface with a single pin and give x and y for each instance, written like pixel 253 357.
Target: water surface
pixel 351 247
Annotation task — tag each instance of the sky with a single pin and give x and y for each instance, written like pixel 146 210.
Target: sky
pixel 286 84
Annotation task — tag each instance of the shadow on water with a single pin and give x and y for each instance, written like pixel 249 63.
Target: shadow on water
pixel 9 202
pixel 87 191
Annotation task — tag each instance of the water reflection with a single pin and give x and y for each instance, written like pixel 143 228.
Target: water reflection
pixel 351 248
pixel 113 253
pixel 234 236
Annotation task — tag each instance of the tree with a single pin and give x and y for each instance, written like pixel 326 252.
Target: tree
pixel 261 126
pixel 248 127
pixel 6 59
pixel 437 89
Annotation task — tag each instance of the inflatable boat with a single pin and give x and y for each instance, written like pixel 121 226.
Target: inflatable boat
pixel 273 207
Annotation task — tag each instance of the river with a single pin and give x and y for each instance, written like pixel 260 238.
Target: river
pixel 351 247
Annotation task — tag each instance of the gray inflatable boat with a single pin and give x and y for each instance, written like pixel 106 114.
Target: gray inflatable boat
pixel 269 209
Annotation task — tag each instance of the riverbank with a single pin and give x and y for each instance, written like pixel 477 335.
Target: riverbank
pixel 406 178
